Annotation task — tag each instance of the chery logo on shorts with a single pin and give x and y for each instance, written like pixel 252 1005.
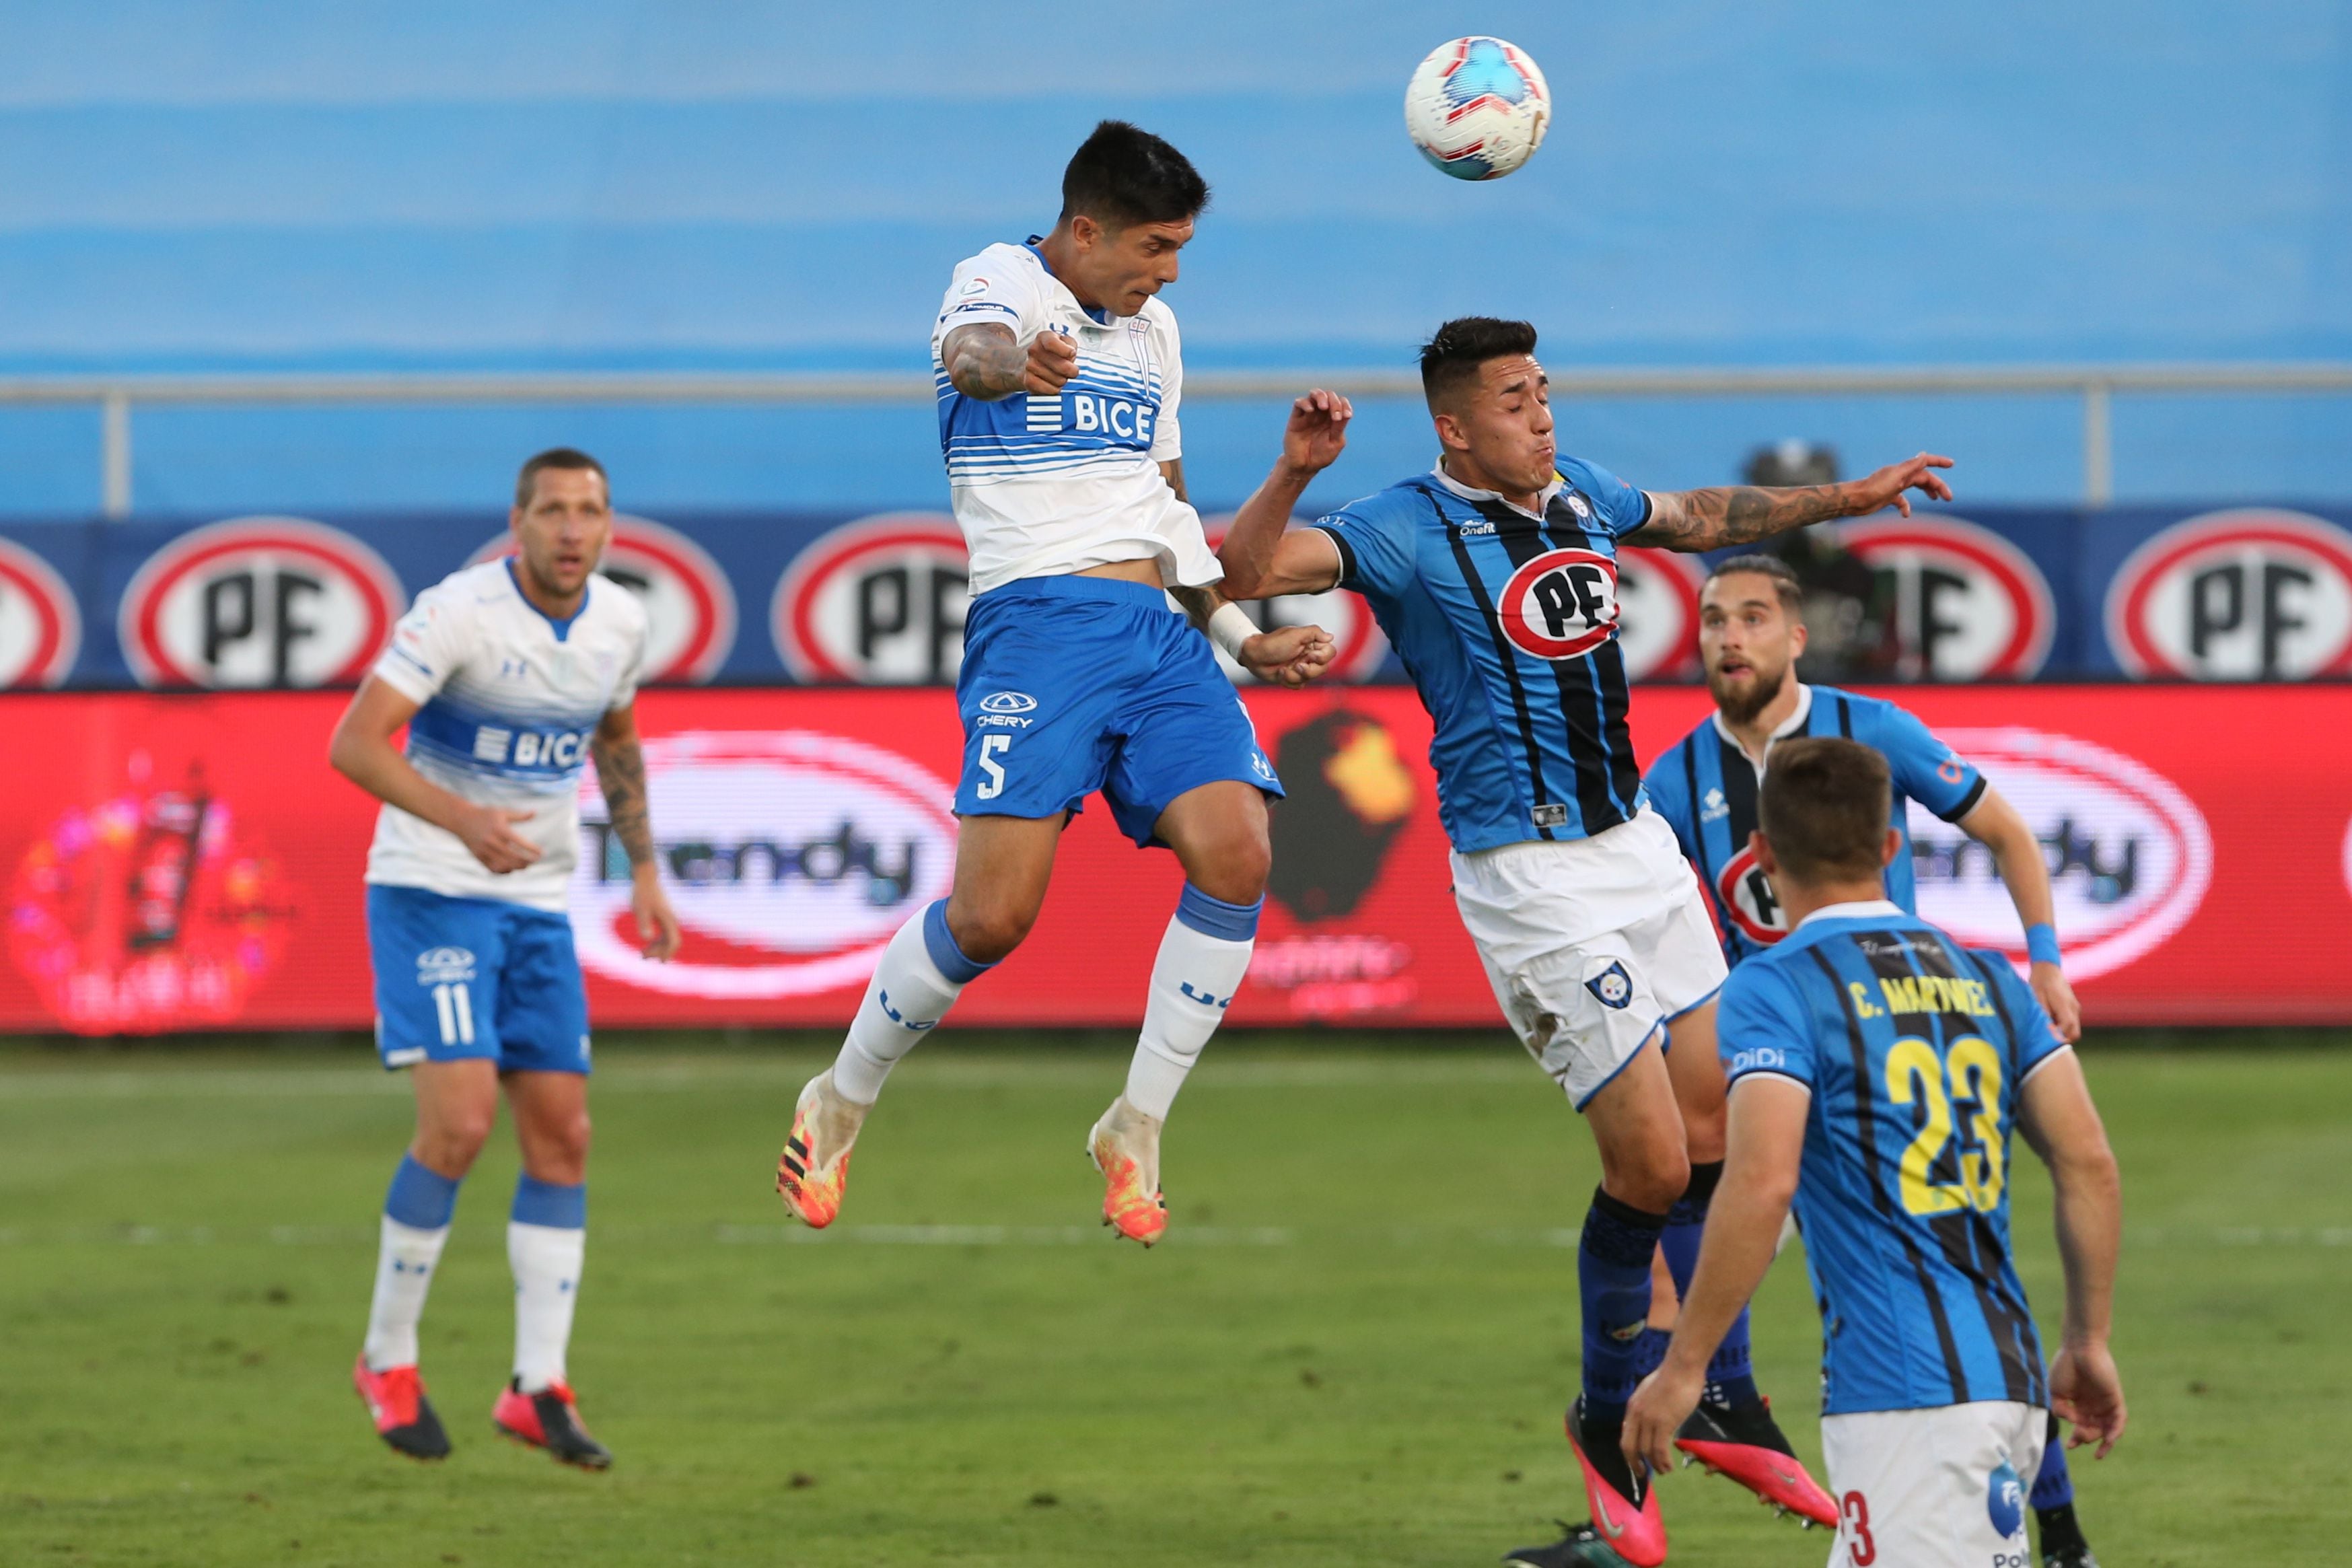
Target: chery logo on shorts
pixel 2252 594
pixel 1008 702
pixel 2130 857
pixel 1561 605
pixel 40 626
pixel 791 857
pixel 445 966
pixel 259 601
pixel 1968 605
pixel 689 603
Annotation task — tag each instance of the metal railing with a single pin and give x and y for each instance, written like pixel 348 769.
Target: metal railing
pixel 2096 385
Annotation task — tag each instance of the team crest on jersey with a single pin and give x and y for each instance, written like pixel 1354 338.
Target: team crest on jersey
pixel 1577 504
pixel 1746 897
pixel 1561 605
pixel 1612 988
pixel 445 966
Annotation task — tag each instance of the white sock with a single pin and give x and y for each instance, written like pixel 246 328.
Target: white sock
pixel 546 1260
pixel 404 1261
pixel 1201 961
pixel 921 974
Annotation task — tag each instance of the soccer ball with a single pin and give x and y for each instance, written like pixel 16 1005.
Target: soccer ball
pixel 1476 107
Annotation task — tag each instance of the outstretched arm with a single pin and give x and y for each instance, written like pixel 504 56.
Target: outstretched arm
pixel 1312 440
pixel 621 775
pixel 1287 656
pixel 1742 514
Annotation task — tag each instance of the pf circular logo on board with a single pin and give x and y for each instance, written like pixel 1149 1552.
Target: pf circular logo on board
pixel 689 603
pixel 791 857
pixel 1657 622
pixel 1561 605
pixel 2251 593
pixel 1745 895
pixel 1968 605
pixel 1359 646
pixel 2130 855
pixel 40 624
pixel 879 602
pixel 257 602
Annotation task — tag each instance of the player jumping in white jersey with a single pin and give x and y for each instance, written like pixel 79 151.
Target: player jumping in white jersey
pixel 509 676
pixel 1058 374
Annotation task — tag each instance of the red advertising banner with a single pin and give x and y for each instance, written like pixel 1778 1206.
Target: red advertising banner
pixel 176 862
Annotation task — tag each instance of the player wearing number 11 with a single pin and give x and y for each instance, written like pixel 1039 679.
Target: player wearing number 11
pixel 1880 1074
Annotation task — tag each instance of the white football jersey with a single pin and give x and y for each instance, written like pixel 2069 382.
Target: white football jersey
pixel 511 701
pixel 1047 485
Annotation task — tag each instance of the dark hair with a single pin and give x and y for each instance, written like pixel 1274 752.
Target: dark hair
pixel 1122 175
pixel 527 482
pixel 1452 357
pixel 1825 808
pixel 1785 582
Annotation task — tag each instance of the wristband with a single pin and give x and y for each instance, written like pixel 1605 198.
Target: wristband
pixel 2041 943
pixel 1230 628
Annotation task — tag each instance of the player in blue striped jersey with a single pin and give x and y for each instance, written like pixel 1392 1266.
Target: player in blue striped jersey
pixel 1880 1077
pixel 1494 576
pixel 1705 786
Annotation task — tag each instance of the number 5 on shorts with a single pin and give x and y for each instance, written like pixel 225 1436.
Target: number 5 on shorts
pixel 993 785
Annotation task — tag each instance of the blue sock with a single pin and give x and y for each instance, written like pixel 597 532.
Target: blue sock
pixel 1731 1375
pixel 2053 1487
pixel 1612 1279
pixel 545 1203
pixel 421 1198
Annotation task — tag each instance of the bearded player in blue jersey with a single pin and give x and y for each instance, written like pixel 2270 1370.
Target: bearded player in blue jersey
pixel 1880 1075
pixel 1494 576
pixel 1707 784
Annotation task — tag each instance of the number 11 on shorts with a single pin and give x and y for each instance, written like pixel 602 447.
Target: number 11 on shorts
pixel 456 1011
pixel 990 745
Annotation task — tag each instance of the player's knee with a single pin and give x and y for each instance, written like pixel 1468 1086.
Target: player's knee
pixel 1235 868
pixel 989 932
pixel 1652 1183
pixel 1704 1133
pixel 453 1139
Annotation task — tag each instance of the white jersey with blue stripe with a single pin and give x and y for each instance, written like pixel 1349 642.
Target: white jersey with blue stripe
pixel 510 700
pixel 1048 486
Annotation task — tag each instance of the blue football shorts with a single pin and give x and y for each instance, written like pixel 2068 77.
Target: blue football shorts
pixel 1077 684
pixel 465 979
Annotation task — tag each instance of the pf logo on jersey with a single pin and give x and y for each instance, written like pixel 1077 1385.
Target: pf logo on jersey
pixel 2252 594
pixel 40 626
pixel 689 603
pixel 1746 897
pixel 1561 605
pixel 259 601
pixel 1968 605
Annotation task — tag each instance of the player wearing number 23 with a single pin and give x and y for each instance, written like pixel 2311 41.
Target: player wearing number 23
pixel 1882 1073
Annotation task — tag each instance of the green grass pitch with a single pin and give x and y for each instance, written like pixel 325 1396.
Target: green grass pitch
pixel 1353 1349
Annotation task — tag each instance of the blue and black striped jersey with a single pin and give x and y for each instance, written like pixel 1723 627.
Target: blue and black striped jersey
pixel 1507 622
pixel 1915 1051
pixel 1705 785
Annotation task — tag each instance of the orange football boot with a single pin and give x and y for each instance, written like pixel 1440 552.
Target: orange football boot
pixel 814 1171
pixel 1125 1147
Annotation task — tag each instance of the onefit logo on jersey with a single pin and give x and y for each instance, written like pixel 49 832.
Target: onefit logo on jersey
pixel 2131 855
pixel 1360 648
pixel 879 601
pixel 1658 602
pixel 1561 605
pixel 40 624
pixel 2249 595
pixel 1968 605
pixel 1746 897
pixel 791 858
pixel 689 603
pixel 259 601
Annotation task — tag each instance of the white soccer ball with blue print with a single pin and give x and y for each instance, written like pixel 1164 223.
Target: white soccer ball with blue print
pixel 1478 108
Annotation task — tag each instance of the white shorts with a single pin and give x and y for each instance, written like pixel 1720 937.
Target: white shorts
pixel 1592 944
pixel 1942 1487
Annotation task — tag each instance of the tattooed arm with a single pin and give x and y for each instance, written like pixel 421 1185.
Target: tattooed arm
pixel 621 775
pixel 1742 514
pixel 987 362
